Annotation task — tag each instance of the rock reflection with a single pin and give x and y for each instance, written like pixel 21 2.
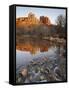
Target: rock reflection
pixel 45 61
pixel 34 46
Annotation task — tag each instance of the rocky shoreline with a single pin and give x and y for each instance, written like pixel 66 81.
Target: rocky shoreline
pixel 42 70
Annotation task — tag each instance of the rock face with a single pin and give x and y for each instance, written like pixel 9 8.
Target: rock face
pixel 31 19
pixel 45 20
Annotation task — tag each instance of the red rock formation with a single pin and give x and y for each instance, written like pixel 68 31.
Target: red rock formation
pixel 45 20
pixel 31 19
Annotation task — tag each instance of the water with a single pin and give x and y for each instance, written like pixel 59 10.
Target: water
pixel 30 50
pixel 24 57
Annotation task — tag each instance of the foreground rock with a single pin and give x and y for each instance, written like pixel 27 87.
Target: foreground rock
pixel 44 70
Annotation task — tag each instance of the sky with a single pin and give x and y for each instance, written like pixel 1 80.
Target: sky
pixel 50 12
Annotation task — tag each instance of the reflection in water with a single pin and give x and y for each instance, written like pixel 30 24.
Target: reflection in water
pixel 24 57
pixel 40 57
pixel 34 45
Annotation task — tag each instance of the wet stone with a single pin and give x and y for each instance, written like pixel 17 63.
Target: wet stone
pixel 42 71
